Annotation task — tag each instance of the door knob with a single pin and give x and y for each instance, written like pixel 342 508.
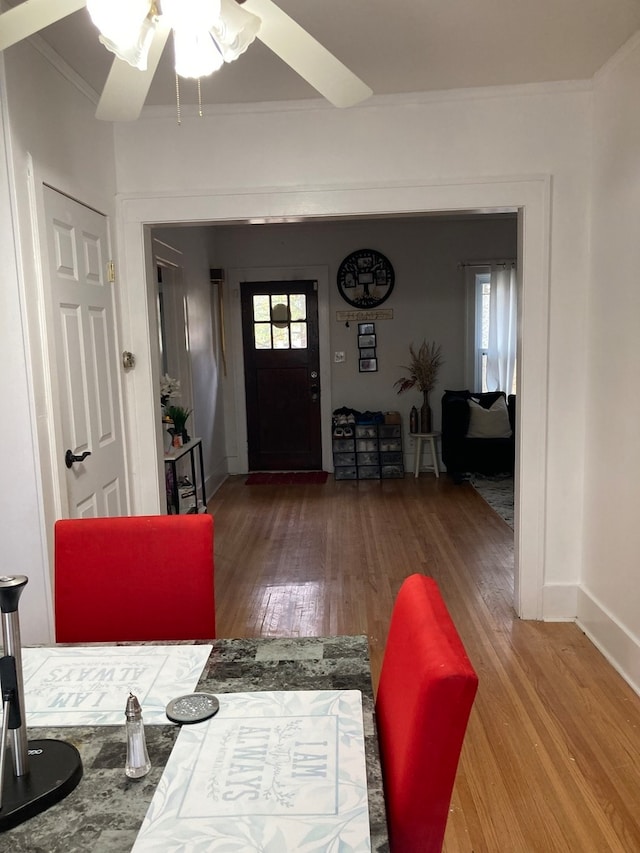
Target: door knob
pixel 69 457
pixel 314 388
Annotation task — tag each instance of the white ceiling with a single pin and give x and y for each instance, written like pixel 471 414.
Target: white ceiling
pixel 396 46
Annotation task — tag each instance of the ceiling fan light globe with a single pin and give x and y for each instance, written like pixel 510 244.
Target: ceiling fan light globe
pixel 135 52
pixel 235 29
pixel 196 53
pixel 126 28
pixel 191 14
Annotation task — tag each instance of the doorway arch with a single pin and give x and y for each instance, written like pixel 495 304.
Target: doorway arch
pixel 530 197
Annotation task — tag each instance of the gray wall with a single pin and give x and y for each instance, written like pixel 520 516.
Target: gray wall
pixel 428 300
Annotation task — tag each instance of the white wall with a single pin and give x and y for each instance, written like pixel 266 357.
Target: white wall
pixel 54 139
pixel 609 601
pixel 21 523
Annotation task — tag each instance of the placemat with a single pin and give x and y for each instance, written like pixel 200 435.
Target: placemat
pixel 89 685
pixel 274 771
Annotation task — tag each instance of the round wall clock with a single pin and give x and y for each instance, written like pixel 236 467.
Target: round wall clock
pixel 365 278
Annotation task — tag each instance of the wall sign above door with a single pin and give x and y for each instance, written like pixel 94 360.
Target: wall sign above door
pixel 365 278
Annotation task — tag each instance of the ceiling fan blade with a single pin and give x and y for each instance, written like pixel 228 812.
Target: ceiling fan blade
pixel 127 87
pixel 31 16
pixel 307 56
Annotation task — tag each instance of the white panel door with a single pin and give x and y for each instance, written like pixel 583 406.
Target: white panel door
pixel 86 358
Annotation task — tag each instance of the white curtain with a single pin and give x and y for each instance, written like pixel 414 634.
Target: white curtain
pixel 503 319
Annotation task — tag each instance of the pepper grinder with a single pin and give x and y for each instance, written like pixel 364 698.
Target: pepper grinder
pixel 44 771
pixel 138 763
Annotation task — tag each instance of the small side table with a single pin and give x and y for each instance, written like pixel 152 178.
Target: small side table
pixel 431 438
pixel 172 457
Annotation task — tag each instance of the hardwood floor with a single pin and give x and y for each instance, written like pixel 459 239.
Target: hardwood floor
pixel 551 760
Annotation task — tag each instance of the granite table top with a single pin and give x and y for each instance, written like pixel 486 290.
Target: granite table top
pixel 104 813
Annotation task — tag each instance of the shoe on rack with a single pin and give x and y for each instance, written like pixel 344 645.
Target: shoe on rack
pixel 348 432
pixel 338 432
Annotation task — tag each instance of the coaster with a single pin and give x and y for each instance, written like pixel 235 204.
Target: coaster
pixel 192 708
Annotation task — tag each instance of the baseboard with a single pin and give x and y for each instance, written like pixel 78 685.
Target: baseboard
pixel 214 481
pixel 616 643
pixel 559 602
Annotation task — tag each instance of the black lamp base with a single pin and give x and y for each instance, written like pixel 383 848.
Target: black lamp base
pixel 55 768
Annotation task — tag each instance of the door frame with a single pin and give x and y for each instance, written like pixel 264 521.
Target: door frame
pixel 529 195
pixel 238 450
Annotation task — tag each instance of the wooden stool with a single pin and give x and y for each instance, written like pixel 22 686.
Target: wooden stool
pixel 431 438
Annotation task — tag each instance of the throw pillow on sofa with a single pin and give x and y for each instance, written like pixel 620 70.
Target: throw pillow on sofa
pixel 489 423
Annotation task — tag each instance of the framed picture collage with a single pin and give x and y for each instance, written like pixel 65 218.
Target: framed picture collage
pixel 367 359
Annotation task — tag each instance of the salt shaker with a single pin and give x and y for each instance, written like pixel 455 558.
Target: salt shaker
pixel 138 763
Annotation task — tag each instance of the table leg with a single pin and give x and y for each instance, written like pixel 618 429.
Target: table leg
pixel 418 455
pixel 193 477
pixel 434 456
pixel 204 492
pixel 174 487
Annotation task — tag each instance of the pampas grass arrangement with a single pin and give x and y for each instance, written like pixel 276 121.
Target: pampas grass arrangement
pixel 423 368
pixel 423 373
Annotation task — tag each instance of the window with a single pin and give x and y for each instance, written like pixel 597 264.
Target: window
pixel 491 297
pixel 280 321
pixel 481 349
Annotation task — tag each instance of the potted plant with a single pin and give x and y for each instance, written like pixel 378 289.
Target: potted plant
pixel 423 372
pixel 179 416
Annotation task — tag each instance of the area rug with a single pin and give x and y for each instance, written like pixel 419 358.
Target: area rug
pixel 286 478
pixel 497 491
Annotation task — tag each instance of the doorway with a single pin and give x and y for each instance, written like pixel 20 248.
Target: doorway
pixel 282 374
pixel 530 196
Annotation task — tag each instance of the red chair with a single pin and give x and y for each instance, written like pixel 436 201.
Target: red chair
pixel 426 690
pixel 135 578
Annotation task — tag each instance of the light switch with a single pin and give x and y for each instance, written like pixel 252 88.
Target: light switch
pixel 338 357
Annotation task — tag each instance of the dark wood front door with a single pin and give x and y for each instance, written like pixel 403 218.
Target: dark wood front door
pixel 282 375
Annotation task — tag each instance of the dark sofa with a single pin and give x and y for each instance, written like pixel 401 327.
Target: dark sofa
pixel 462 455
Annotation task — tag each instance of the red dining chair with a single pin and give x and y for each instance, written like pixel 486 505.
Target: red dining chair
pixel 134 578
pixel 425 693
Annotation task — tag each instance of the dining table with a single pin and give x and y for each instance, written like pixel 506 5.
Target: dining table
pixel 105 812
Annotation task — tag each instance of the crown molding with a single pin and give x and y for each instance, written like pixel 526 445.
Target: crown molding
pixel 618 58
pixel 376 101
pixel 63 68
pixel 315 104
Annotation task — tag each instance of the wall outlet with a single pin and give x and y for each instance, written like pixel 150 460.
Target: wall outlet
pixel 338 357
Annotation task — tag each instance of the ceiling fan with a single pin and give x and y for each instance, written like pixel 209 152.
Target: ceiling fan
pixel 206 34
